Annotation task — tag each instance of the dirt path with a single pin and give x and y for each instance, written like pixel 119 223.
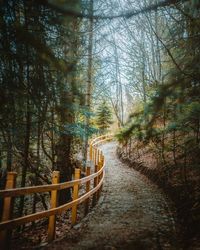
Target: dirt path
pixel 132 213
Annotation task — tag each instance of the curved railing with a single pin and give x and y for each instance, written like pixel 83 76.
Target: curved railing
pixel 97 162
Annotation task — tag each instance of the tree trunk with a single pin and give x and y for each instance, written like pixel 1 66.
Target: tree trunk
pixel 63 148
pixel 89 83
pixel 26 155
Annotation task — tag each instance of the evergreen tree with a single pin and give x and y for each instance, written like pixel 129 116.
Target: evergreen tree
pixel 104 117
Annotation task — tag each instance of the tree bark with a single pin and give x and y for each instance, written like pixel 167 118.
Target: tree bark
pixel 89 83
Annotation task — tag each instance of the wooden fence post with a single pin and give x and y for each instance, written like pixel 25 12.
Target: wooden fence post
pixel 95 184
pixel 101 165
pixel 87 190
pixel 95 159
pixel 52 218
pixel 91 152
pixel 94 155
pixel 100 156
pixel 98 180
pixel 75 195
pixel 7 211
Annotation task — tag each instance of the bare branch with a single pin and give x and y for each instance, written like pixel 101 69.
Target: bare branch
pixel 73 13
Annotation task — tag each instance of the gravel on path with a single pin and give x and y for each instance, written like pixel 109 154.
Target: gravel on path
pixel 132 213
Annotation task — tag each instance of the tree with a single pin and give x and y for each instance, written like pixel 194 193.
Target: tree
pixel 103 117
pixel 89 85
pixel 38 86
pixel 171 77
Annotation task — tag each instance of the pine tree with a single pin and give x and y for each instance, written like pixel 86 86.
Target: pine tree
pixel 104 117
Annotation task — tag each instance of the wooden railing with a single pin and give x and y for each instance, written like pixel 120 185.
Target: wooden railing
pixel 92 194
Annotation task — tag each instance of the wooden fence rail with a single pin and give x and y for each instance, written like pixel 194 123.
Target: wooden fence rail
pixel 7 223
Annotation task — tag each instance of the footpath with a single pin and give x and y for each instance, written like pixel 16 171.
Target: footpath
pixel 132 213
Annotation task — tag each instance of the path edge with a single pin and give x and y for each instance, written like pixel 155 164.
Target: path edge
pixel 154 177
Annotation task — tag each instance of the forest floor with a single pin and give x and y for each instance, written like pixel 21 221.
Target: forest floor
pixel 132 213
